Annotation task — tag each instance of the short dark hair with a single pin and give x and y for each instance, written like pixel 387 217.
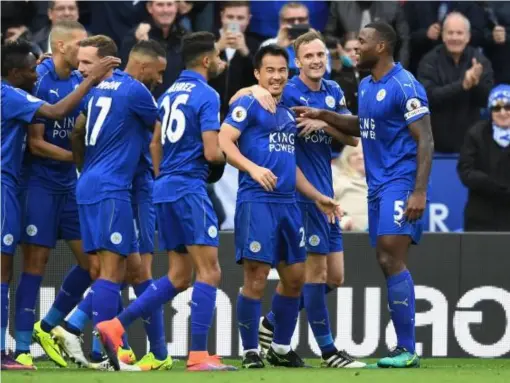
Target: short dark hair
pixel 104 44
pixel 386 33
pixel 14 55
pixel 271 50
pixel 195 45
pixel 234 4
pixel 150 48
pixel 306 38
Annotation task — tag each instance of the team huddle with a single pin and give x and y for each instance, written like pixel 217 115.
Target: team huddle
pixel 106 164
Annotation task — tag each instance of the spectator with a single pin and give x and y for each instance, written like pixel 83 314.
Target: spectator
pixel 162 27
pixel 351 189
pixel 237 49
pixel 196 15
pixel 58 10
pixel 484 167
pixel 497 46
pixel 457 78
pixel 351 16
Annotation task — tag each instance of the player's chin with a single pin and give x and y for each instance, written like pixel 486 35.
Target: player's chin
pixel 316 74
pixel 275 89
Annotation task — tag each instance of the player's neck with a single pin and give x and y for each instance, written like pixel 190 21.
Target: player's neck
pixel 314 86
pixel 62 68
pixel 381 68
pixel 200 70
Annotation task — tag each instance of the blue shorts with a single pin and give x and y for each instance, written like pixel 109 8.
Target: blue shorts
pixel 48 217
pixel 269 233
pixel 386 217
pixel 322 237
pixel 145 226
pixel 191 220
pixel 107 225
pixel 11 219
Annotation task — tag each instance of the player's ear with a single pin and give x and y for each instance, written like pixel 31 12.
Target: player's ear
pixel 206 61
pixel 298 63
pixel 60 46
pixel 257 74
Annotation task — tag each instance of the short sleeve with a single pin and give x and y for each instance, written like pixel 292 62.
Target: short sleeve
pixel 40 92
pixel 209 112
pixel 240 113
pixel 341 103
pixel 21 105
pixel 412 101
pixel 142 103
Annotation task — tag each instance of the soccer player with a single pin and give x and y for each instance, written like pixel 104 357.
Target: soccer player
pixel 324 245
pixel 181 147
pixel 394 124
pixel 49 203
pixel 268 224
pixel 19 109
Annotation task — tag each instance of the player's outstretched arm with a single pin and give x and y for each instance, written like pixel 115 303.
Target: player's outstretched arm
pixel 326 204
pixel 212 151
pixel 228 137
pixel 69 103
pixel 307 126
pixel 78 141
pixel 40 147
pixel 346 124
pixel 421 130
pixel 156 148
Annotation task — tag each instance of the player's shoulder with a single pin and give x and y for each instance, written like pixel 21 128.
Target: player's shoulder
pixel 331 84
pixel 207 92
pixel 403 83
pixel 365 81
pixel 247 102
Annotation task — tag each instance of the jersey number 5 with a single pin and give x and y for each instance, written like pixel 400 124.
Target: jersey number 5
pixel 104 103
pixel 173 114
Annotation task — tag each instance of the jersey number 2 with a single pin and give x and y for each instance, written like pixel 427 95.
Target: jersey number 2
pixel 173 114
pixel 105 103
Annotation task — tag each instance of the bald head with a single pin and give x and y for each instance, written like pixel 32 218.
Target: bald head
pixel 65 37
pixel 456 33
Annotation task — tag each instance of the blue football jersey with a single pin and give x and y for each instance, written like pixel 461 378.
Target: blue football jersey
pixel 57 176
pixel 268 140
pixel 187 109
pixel 118 111
pixel 144 175
pixel 313 153
pixel 386 108
pixel 18 110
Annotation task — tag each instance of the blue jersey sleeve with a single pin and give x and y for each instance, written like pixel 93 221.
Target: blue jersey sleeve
pixel 340 102
pixel 142 103
pixel 209 112
pixel 40 91
pixel 413 102
pixel 21 106
pixel 240 113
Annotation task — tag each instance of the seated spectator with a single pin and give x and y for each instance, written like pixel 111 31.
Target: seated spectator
pixel 58 10
pixel 457 78
pixel 484 167
pixel 497 36
pixel 237 49
pixel 162 27
pixel 351 16
pixel 351 189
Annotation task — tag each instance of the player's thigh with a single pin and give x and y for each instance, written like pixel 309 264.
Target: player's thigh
pixel 6 268
pixel 317 229
pixel 69 223
pixel 11 219
pixel 291 235
pixel 180 270
pixel 392 220
pixel 41 211
pixel 82 259
pixel 256 232
pixel 145 224
pixel 336 270
pixel 107 225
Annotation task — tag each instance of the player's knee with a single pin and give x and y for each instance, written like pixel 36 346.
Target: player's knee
pixel 336 279
pixel 210 275
pixel 316 269
pixel 389 264
pixel 255 280
pixel 181 281
pixel 6 268
pixel 35 263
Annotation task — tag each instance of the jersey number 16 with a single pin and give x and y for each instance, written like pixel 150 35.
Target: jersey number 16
pixel 173 115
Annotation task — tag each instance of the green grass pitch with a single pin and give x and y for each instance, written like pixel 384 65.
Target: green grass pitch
pixel 431 371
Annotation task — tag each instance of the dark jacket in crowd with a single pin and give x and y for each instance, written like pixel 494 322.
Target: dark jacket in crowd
pixel 172 45
pixel 498 13
pixel 453 109
pixel 484 168
pixel 349 80
pixel 237 75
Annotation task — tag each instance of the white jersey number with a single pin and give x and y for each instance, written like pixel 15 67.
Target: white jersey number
pixel 104 103
pixel 173 114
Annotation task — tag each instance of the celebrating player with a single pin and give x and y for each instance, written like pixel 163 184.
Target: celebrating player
pixel 325 258
pixel 19 109
pixel 181 145
pixel 269 229
pixel 394 124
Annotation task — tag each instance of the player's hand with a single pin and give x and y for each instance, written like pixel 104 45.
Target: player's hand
pixel 415 206
pixel 307 112
pixel 265 99
pixel 309 126
pixel 329 207
pixel 103 66
pixel 264 177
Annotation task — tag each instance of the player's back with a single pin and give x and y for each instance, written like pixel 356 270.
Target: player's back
pixel 386 108
pixel 144 174
pixel 268 140
pixel 118 111
pixel 18 109
pixel 58 176
pixel 187 109
pixel 313 152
